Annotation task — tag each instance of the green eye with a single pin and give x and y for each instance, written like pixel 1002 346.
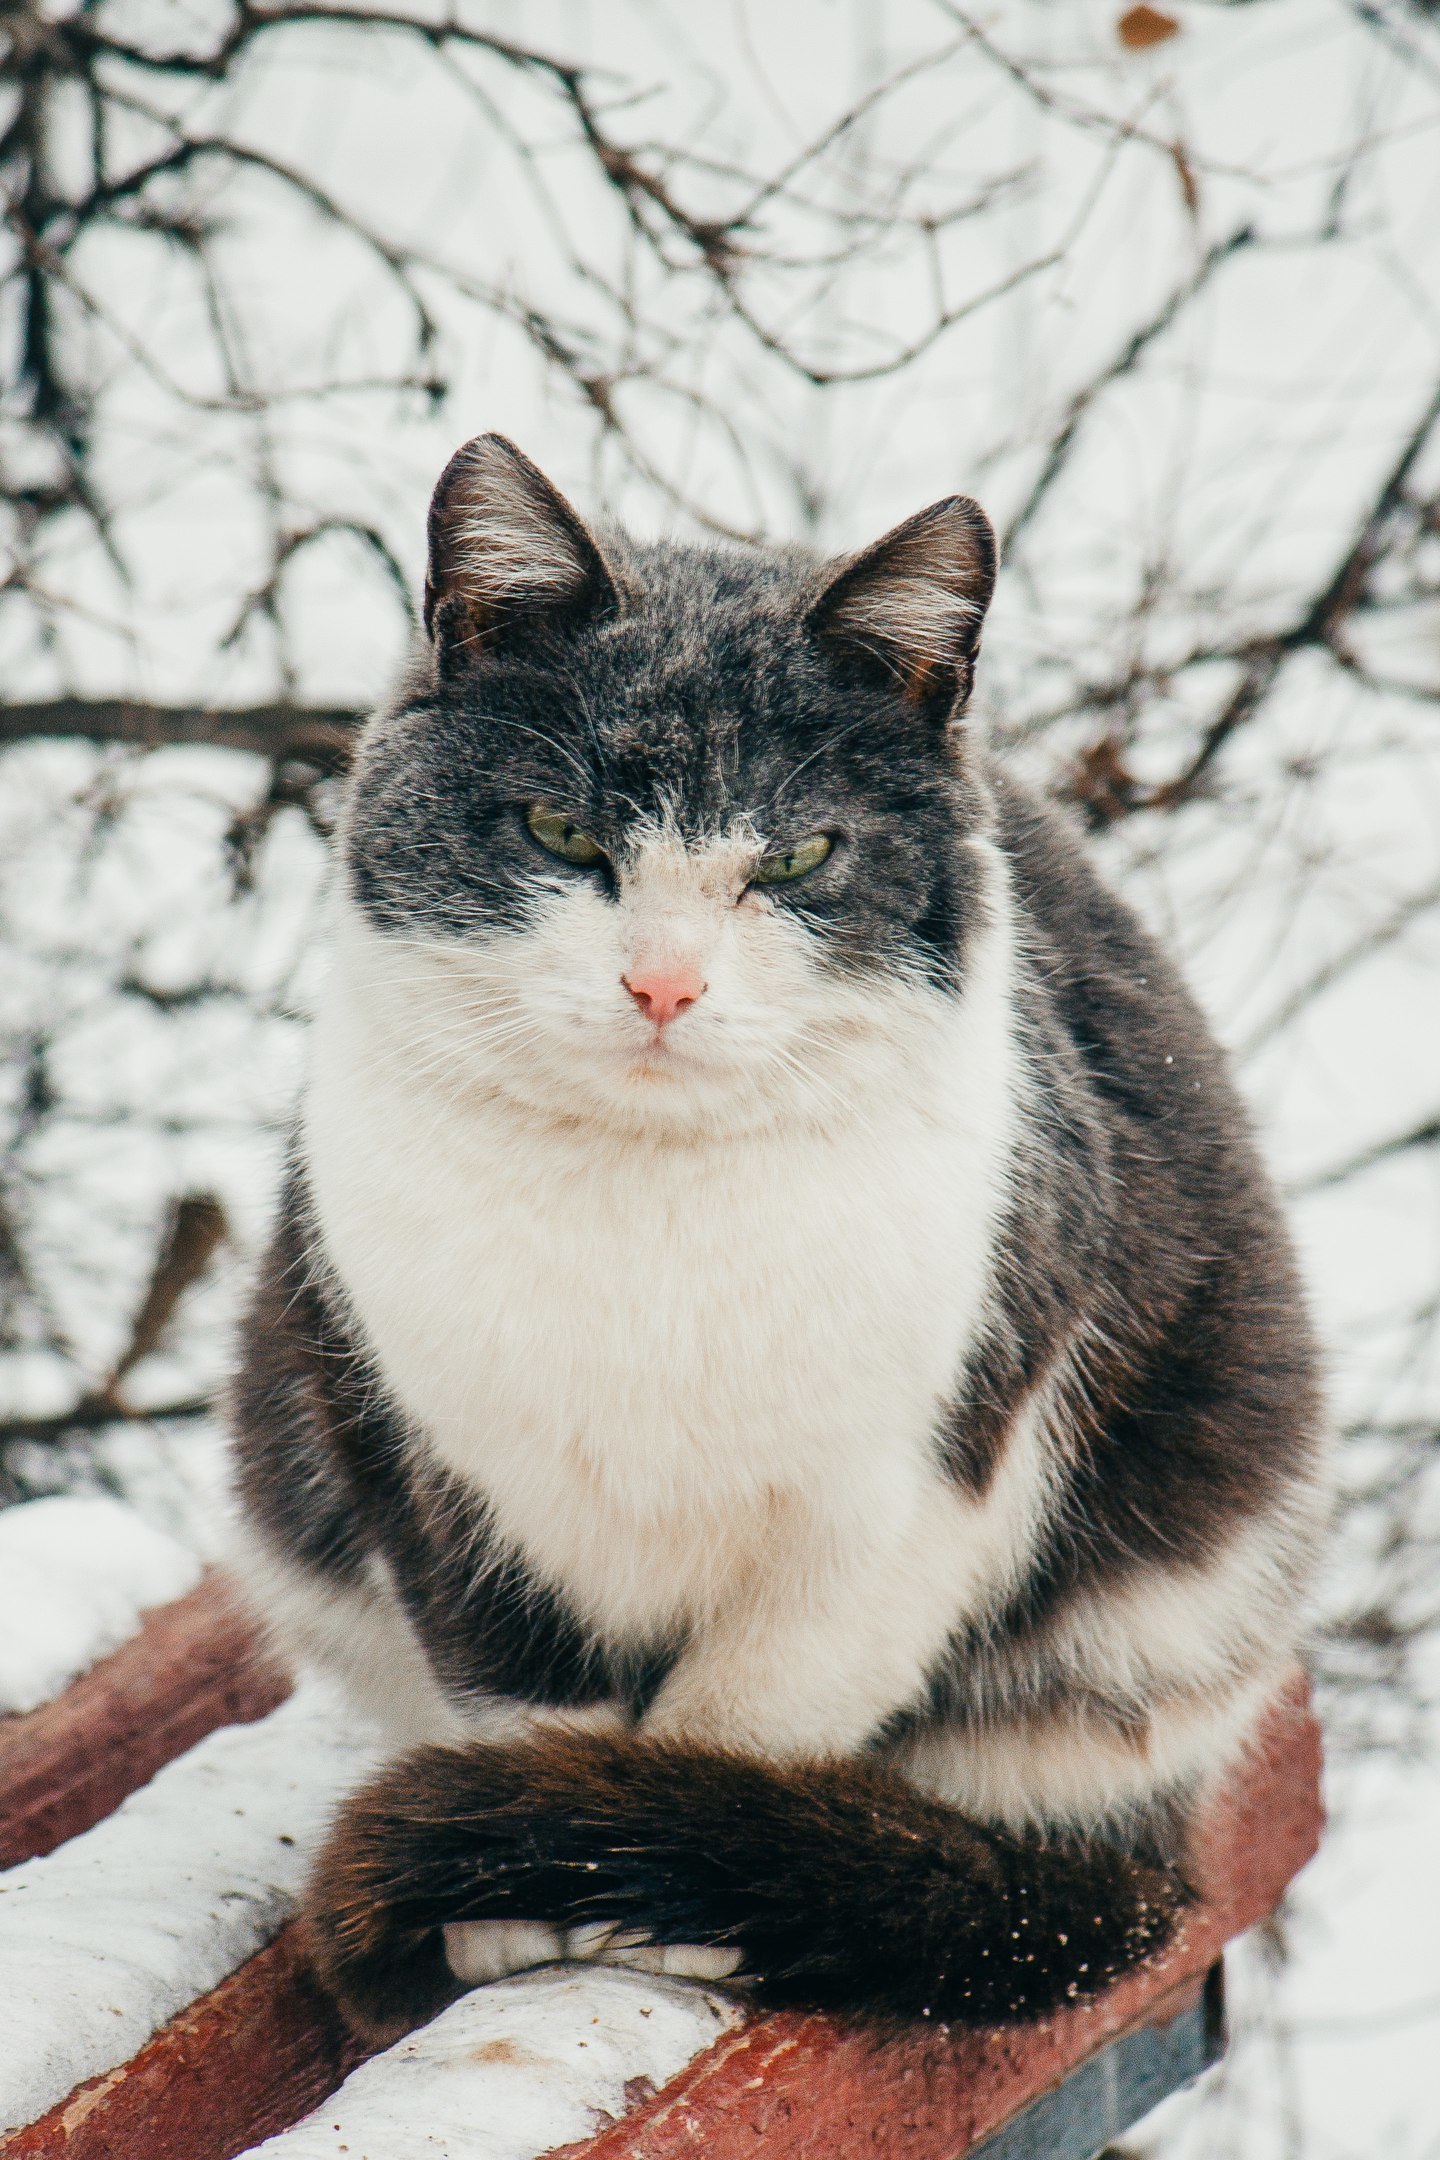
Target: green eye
pixel 797 862
pixel 558 836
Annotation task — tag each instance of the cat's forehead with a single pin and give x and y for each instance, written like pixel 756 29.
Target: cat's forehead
pixel 701 693
pixel 704 640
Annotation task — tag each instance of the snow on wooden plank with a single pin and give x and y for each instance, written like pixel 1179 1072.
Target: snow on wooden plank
pixel 516 2069
pixel 129 1924
pixel 195 1664
pixel 244 2060
pixel 249 2058
pixel 76 1573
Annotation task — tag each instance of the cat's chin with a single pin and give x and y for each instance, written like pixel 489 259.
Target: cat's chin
pixel 656 1095
pixel 653 1072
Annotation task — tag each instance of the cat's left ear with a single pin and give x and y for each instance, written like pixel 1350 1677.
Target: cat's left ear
pixel 506 550
pixel 913 603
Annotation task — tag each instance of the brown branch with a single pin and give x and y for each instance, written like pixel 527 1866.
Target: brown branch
pixel 319 735
pixel 93 1414
pixel 1318 625
pixel 1124 362
pixel 1375 938
pixel 1101 782
pixel 194 1231
pixel 193 1234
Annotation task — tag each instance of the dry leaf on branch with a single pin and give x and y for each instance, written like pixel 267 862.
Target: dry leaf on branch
pixel 1141 27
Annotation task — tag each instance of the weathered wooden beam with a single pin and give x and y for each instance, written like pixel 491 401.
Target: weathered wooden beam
pixel 195 1664
pixel 1117 2088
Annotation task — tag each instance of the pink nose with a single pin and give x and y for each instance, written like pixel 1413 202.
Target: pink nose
pixel 663 990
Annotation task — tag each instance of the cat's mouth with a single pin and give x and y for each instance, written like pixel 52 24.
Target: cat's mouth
pixel 657 1060
pixel 669 1058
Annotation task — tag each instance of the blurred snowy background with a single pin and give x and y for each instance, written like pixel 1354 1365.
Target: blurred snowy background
pixel 1161 286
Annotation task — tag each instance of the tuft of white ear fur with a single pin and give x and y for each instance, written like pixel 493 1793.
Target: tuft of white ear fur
pixel 916 599
pixel 504 543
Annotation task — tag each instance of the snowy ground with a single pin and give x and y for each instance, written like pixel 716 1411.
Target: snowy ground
pixel 76 1575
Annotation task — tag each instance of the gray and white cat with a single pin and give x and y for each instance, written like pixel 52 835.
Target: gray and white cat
pixel 779 1366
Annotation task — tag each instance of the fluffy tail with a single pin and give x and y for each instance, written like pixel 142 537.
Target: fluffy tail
pixel 842 1887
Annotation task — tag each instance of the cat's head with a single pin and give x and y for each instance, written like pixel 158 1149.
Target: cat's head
pixel 672 836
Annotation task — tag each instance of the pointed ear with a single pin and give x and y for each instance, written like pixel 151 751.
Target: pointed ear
pixel 914 603
pixel 505 547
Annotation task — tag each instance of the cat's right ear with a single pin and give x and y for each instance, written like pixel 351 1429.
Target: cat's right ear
pixel 506 549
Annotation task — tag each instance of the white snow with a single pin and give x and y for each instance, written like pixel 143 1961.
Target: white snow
pixel 106 1938
pixel 514 2069
pixel 76 1575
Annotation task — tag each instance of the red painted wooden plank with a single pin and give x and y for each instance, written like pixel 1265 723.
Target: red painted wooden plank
pixel 195 1664
pixel 246 2060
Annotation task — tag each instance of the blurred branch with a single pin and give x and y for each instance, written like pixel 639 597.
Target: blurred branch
pixel 1425 1134
pixel 1321 624
pixel 1101 780
pixel 1063 440
pixel 194 1232
pixel 94 1415
pixel 322 736
pixel 1373 939
pixel 195 1228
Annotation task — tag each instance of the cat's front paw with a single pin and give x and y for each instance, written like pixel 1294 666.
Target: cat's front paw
pixel 478 1951
pixel 602 1942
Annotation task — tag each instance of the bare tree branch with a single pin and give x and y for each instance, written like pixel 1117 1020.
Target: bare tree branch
pixel 92 1415
pixel 321 736
pixel 1424 1135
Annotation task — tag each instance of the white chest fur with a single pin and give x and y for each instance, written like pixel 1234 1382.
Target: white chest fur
pixel 654 1358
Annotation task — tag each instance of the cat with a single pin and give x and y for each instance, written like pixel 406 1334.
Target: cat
pixel 779 1378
